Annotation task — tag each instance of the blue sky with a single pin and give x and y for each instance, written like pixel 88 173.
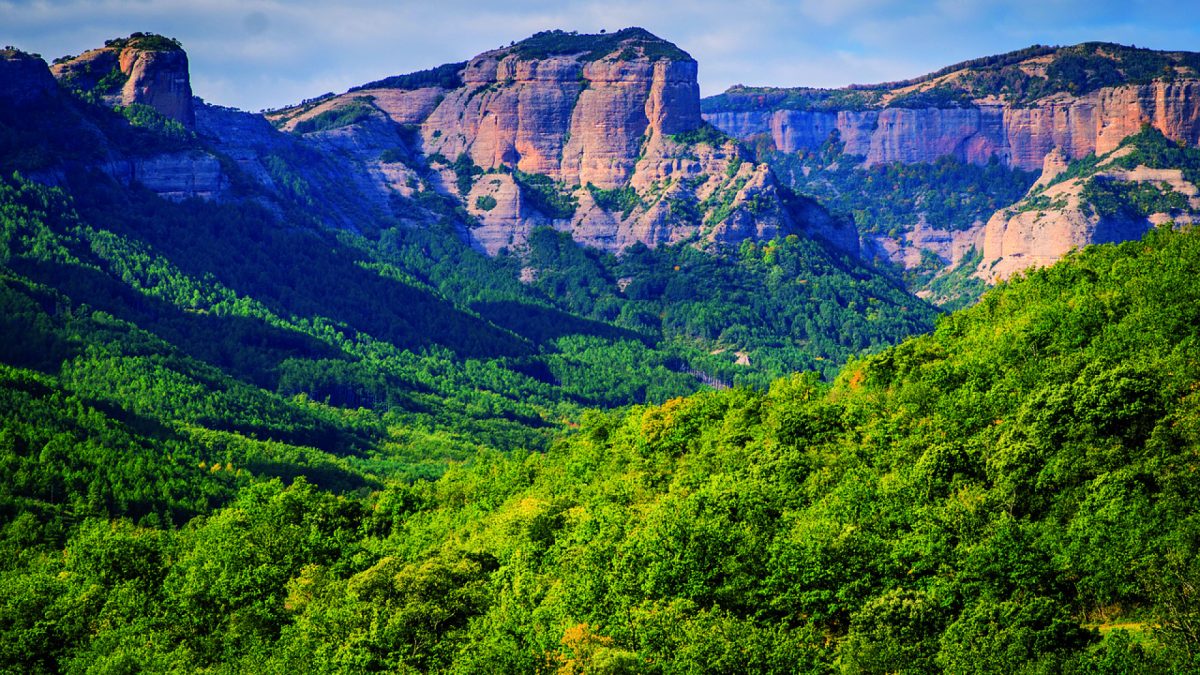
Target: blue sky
pixel 265 53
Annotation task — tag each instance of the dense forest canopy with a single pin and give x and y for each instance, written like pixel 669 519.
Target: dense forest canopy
pixel 1011 492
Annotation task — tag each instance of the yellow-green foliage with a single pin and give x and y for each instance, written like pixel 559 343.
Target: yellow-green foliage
pixel 965 502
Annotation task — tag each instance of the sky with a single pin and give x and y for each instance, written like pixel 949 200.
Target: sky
pixel 255 54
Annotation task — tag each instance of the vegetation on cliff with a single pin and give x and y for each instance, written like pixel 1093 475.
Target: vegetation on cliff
pixel 445 76
pixel 358 109
pixel 1110 196
pixel 892 198
pixel 1021 77
pixel 625 44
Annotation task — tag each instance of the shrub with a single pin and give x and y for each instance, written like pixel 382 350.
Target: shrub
pixel 354 112
pixel 624 199
pixel 551 198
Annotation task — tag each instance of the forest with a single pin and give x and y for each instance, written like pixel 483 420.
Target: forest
pixel 1011 492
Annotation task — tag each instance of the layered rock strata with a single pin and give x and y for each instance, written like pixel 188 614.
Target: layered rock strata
pixel 146 69
pixel 618 134
pixel 1055 218
pixel 1019 136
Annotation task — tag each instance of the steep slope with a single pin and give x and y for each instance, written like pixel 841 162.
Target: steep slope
pixel 596 135
pixel 1016 107
pixel 1147 180
pixel 1011 110
pixel 286 270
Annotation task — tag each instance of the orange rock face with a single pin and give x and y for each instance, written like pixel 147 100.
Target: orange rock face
pixel 145 72
pixel 1030 234
pixel 1018 136
pixel 593 124
pixel 160 80
pixel 577 122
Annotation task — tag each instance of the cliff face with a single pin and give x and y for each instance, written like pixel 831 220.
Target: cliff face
pixel 146 69
pixel 160 80
pixel 54 130
pixel 576 122
pixel 612 121
pixel 1018 135
pixel 23 78
pixel 176 175
pixel 1060 215
pixel 1035 109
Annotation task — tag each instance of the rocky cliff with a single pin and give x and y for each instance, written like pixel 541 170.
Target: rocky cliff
pixel 1019 136
pixel 1033 110
pixel 1144 182
pixel 598 135
pixel 49 127
pixel 23 78
pixel 147 69
pixel 1015 107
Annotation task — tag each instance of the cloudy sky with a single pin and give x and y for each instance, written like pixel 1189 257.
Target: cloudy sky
pixel 256 54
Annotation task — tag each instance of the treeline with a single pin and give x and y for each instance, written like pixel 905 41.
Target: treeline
pixel 1077 69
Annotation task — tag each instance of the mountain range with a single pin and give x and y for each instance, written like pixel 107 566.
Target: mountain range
pixel 541 362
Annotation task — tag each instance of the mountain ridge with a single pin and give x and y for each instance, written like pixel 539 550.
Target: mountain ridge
pixel 1016 110
pixel 612 120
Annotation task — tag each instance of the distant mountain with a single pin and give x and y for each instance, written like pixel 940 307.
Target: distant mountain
pixel 1013 110
pixel 597 135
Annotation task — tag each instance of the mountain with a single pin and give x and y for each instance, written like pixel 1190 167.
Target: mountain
pixel 1011 110
pixel 277 272
pixel 143 69
pixel 596 135
pixel 268 403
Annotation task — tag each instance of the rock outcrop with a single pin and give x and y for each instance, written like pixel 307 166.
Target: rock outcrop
pixel 949 246
pixel 1057 216
pixel 176 175
pixel 24 78
pixel 146 69
pixel 1038 108
pixel 1015 107
pixel 612 121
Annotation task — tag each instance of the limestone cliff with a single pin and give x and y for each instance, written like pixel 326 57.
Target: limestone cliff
pixel 1015 107
pixel 1113 198
pixel 1020 136
pixel 1035 109
pixel 147 69
pixel 598 135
